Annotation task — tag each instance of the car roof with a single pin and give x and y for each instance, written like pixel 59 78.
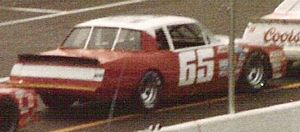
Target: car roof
pixel 286 10
pixel 137 22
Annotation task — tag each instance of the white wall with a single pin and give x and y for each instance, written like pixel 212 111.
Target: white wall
pixel 279 118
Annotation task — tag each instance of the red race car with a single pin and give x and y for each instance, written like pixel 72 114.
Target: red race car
pixel 17 107
pixel 146 58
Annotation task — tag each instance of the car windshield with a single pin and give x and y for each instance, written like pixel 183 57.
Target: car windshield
pixel 103 38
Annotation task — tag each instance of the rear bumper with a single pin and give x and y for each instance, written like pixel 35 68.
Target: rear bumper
pixel 55 84
pixel 81 90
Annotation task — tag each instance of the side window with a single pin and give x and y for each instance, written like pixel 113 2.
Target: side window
pixel 102 38
pixel 161 40
pixel 129 40
pixel 186 35
pixel 77 38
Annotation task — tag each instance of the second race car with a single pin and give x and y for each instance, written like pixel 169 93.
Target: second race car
pixel 146 58
pixel 17 107
pixel 280 27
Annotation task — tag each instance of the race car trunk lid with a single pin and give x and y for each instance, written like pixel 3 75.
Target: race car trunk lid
pixel 57 72
pixel 57 60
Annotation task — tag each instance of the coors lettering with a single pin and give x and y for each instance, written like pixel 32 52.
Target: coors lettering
pixel 275 36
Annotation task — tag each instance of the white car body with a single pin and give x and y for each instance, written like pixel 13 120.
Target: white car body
pixel 282 27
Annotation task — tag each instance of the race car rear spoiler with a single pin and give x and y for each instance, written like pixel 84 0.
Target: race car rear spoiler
pixel 57 60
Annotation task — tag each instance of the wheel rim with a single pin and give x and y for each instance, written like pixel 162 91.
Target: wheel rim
pixel 255 77
pixel 149 91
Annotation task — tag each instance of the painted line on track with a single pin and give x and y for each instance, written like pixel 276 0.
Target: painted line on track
pixel 102 122
pixel 290 86
pixel 76 11
pixel 97 123
pixel 35 10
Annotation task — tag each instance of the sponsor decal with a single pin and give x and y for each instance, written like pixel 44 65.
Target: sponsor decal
pixel 275 36
pixel 222 49
pixel 276 54
pixel 277 75
pixel 223 66
pixel 276 67
pixel 276 60
pixel 241 52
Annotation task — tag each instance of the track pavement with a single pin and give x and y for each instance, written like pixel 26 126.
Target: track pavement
pixel 94 117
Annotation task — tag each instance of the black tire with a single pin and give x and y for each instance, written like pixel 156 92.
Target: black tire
pixel 292 70
pixel 290 64
pixel 57 101
pixel 148 91
pixel 255 73
pixel 9 115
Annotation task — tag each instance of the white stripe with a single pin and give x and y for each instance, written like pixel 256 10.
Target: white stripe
pixel 71 12
pixel 6 90
pixel 31 19
pixel 4 79
pixel 35 10
pixel 58 72
pixel 24 110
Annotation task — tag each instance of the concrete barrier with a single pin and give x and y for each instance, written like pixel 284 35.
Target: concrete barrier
pixel 278 118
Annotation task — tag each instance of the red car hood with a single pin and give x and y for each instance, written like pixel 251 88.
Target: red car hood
pixel 103 56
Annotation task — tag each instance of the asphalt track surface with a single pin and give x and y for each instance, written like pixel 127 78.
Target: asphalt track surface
pixel 23 30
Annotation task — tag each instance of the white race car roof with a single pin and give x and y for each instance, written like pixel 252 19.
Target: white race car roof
pixel 287 10
pixel 137 22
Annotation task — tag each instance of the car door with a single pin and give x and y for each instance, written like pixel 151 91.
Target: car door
pixel 197 59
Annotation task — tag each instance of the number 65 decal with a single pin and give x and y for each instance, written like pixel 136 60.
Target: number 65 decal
pixel 196 66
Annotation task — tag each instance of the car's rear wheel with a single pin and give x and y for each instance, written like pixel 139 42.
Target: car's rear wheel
pixel 9 115
pixel 57 101
pixel 148 92
pixel 255 72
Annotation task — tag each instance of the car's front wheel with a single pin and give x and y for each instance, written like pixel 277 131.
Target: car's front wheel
pixel 9 115
pixel 255 72
pixel 148 92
